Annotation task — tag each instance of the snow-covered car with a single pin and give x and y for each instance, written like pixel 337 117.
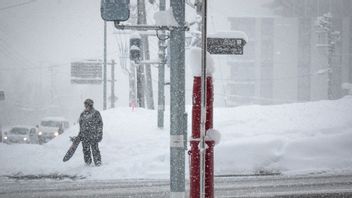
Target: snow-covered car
pixel 51 127
pixel 21 134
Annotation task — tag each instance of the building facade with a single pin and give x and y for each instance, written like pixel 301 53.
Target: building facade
pixel 286 58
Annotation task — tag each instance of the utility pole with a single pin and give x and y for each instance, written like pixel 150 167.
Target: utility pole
pixel 331 49
pixel 51 70
pixel 132 83
pixel 161 73
pixel 178 117
pixel 140 68
pixel 112 84
pixel 104 75
pixel 148 73
pixel 325 23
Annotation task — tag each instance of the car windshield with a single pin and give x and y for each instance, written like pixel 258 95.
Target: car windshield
pixel 19 131
pixel 51 123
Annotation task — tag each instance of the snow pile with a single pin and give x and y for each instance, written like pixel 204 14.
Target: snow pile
pixel 291 138
pixel 195 61
pixel 214 135
pixel 132 147
pixel 229 34
pixel 294 138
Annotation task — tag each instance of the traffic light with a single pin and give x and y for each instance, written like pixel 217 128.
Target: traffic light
pixel 135 49
pixel 115 10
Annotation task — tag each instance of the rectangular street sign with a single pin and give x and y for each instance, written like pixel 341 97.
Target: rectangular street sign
pixel 225 45
pixel 86 72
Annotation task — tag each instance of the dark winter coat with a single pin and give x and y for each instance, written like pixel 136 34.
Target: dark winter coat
pixel 91 126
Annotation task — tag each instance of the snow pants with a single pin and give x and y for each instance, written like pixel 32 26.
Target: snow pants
pixel 87 147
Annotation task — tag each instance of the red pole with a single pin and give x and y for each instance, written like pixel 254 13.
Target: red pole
pixel 194 152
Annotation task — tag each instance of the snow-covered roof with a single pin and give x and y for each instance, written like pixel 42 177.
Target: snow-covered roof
pixel 229 34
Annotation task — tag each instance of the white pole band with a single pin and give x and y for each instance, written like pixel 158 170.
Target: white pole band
pixel 177 141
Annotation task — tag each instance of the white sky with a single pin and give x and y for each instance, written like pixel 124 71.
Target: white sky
pixel 59 30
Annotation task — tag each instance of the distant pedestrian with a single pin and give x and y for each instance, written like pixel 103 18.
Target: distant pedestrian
pixel 91 132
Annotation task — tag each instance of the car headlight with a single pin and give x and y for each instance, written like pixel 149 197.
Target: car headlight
pixel 25 139
pixel 56 133
pixel 40 133
pixel 5 138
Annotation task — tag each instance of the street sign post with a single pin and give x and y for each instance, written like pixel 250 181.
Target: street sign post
pixel 226 43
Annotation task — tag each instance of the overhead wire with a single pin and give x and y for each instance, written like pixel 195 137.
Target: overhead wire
pixel 16 5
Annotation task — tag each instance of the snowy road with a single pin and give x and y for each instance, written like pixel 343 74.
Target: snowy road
pixel 264 186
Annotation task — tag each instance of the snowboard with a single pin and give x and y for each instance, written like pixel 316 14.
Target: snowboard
pixel 72 149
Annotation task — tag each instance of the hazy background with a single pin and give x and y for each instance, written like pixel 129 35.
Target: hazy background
pixel 40 38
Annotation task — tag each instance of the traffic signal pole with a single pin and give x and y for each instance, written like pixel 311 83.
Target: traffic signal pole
pixel 140 68
pixel 178 116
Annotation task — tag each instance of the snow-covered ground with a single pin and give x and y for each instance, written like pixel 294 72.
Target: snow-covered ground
pixel 292 138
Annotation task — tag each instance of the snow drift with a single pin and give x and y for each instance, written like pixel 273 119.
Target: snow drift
pixel 292 138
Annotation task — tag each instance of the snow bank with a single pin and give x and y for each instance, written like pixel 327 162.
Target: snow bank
pixel 290 139
pixel 132 147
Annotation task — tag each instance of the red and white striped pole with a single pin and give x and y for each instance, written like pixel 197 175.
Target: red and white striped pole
pixel 195 168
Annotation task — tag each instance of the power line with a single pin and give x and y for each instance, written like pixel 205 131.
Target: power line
pixel 16 5
pixel 33 68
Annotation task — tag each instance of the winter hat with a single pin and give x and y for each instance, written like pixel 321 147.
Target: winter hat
pixel 89 102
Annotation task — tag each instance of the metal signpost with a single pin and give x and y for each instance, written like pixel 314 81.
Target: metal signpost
pixel 223 44
pixel 203 99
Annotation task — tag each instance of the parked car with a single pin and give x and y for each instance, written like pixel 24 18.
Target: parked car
pixel 51 127
pixel 21 134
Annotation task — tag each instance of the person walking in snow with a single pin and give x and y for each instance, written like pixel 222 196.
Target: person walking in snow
pixel 91 132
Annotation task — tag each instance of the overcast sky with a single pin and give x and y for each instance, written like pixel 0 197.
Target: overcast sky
pixel 37 34
pixel 60 30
